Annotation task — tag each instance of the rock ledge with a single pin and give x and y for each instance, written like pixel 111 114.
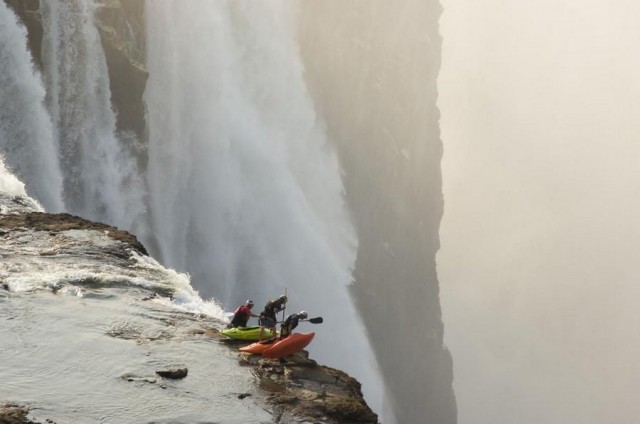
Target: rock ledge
pixel 301 391
pixel 56 222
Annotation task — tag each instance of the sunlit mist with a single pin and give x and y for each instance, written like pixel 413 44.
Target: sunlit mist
pixel 540 251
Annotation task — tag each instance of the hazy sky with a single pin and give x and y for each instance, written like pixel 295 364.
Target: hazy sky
pixel 540 259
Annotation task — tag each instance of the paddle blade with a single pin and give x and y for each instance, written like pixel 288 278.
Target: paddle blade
pixel 317 320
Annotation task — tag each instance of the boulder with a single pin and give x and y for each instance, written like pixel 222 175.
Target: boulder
pixel 173 373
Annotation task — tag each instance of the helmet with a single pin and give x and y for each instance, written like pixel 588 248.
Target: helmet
pixel 302 314
pixel 284 298
pixel 249 302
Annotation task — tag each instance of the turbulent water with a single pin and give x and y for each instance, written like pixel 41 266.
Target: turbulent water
pixel 242 190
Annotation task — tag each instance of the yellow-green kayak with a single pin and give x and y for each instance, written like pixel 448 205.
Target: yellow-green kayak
pixel 247 333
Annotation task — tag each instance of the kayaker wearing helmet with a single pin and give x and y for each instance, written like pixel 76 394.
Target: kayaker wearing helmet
pixel 290 323
pixel 268 316
pixel 242 314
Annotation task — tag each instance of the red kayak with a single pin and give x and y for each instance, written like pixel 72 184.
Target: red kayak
pixel 259 347
pixel 292 344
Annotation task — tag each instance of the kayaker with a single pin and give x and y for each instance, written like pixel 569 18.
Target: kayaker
pixel 268 315
pixel 242 314
pixel 290 323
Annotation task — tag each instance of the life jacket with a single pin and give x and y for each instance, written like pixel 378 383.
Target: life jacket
pixel 241 315
pixel 288 325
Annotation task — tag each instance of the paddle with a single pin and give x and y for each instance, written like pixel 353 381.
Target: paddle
pixel 284 307
pixel 316 320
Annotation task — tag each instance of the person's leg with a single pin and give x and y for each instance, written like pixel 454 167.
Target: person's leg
pixel 272 327
pixel 267 322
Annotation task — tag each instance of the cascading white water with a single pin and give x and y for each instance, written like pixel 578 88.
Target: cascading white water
pixel 245 192
pixel 26 132
pixel 101 179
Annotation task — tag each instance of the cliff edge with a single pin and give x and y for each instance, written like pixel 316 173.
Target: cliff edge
pixel 293 390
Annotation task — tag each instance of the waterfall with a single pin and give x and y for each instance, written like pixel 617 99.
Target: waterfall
pixel 100 175
pixel 26 131
pixel 245 190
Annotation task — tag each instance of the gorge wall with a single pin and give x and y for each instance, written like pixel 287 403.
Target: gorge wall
pixel 372 68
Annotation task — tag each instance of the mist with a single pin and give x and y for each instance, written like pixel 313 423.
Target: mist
pixel 540 253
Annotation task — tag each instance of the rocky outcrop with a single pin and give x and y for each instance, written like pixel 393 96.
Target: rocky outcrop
pixel 55 223
pixel 299 388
